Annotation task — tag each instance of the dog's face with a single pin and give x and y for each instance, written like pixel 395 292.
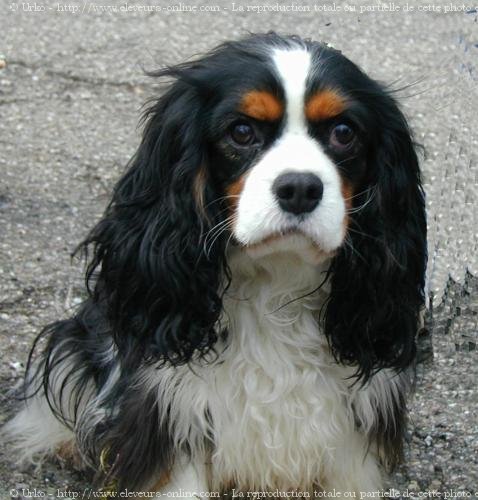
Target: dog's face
pixel 270 143
pixel 289 143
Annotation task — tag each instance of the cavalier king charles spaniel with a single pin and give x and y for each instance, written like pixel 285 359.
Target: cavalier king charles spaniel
pixel 254 287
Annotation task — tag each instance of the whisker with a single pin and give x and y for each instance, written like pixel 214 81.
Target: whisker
pixel 226 226
pixel 225 209
pixel 354 250
pixel 361 207
pixel 215 231
pixel 345 160
pixel 228 241
pixel 218 226
pixel 221 198
pixel 362 234
pixel 208 251
pixel 361 192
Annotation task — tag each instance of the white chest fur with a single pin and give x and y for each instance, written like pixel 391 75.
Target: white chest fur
pixel 274 403
pixel 282 380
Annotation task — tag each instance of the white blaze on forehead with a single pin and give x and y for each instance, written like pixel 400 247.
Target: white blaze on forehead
pixel 293 68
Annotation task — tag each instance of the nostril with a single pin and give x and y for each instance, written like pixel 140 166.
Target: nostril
pixel 315 191
pixel 286 192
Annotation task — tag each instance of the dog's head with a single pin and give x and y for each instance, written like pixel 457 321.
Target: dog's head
pixel 269 143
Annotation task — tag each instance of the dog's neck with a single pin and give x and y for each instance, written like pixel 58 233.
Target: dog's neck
pixel 278 276
pixel 274 296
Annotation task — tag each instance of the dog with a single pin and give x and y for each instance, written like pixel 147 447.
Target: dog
pixel 254 287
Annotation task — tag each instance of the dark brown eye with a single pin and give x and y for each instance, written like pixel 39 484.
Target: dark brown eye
pixel 242 134
pixel 342 136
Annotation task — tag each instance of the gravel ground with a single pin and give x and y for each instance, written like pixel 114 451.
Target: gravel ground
pixel 71 89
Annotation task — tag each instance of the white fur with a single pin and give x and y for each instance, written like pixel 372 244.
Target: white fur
pixel 259 215
pixel 37 432
pixel 281 408
pixel 378 396
pixel 293 67
pixel 187 479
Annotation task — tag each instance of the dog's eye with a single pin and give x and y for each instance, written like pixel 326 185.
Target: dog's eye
pixel 242 134
pixel 342 137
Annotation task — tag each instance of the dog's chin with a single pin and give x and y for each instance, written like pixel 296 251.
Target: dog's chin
pixel 293 242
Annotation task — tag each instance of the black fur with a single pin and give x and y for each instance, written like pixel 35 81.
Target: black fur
pixel 157 286
pixel 378 280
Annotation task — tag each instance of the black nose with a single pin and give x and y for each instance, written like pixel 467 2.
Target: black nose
pixel 298 193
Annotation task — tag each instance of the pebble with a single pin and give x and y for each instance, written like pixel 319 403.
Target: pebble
pixel 413 486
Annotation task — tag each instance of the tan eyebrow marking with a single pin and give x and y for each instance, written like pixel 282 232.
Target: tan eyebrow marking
pixel 323 105
pixel 261 105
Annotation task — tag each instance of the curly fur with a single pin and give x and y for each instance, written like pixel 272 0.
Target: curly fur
pixel 188 351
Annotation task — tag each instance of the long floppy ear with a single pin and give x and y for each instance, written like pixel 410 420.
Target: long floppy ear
pixel 378 279
pixel 149 271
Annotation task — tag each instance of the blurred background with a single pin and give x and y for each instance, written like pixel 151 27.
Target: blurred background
pixel 71 93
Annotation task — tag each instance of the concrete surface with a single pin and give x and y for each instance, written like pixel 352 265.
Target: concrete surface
pixel 71 89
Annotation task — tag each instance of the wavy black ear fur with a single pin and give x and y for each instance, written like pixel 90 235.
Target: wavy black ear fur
pixel 149 270
pixel 378 279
